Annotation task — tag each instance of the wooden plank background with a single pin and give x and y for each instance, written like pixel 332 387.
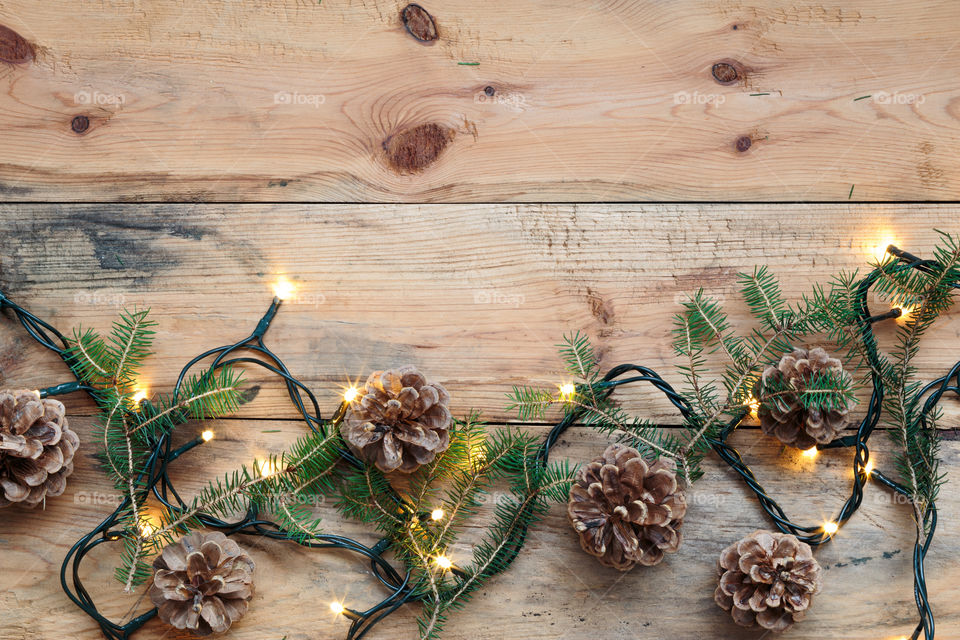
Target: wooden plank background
pixel 297 100
pixel 476 296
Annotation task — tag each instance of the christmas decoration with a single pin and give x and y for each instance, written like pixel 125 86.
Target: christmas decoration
pixel 782 412
pixel 36 448
pixel 419 524
pixel 420 521
pixel 625 510
pixel 400 423
pixel 723 371
pixel 767 579
pixel 202 583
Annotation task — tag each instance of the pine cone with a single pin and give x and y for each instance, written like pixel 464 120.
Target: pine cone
pixel 626 510
pixel 202 583
pixel 785 418
pixel 36 448
pixel 767 578
pixel 400 423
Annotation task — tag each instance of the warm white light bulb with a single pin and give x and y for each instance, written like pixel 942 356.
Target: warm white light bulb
pixel 444 562
pixel 830 527
pixel 351 394
pixel 146 529
pixel 880 250
pixel 868 468
pixel 567 390
pixel 139 396
pixel 264 468
pixel 810 453
pixel 207 435
pixel 283 289
pixel 336 607
pixel 437 514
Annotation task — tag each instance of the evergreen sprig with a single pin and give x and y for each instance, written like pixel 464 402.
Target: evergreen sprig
pixel 127 428
pixel 458 483
pixel 720 368
pixel 924 295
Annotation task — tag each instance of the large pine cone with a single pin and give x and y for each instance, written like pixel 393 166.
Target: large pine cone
pixel 36 448
pixel 202 583
pixel 767 579
pixel 784 417
pixel 626 510
pixel 400 423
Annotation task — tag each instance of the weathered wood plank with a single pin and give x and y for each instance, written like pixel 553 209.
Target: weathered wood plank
pixel 553 590
pixel 476 296
pixel 283 100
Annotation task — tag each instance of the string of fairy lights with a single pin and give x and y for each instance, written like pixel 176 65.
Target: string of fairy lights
pixel 252 351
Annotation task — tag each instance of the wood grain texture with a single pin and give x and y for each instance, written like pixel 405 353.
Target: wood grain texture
pixel 477 296
pixel 553 590
pixel 295 100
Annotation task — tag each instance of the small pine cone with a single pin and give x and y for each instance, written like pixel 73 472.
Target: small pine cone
pixel 400 423
pixel 627 510
pixel 784 417
pixel 768 579
pixel 36 448
pixel 202 583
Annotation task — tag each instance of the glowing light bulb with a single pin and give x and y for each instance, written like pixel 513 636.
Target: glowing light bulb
pixel 567 390
pixel 265 468
pixel 444 562
pixel 284 289
pixel 810 453
pixel 146 529
pixel 905 313
pixel 880 250
pixel 351 394
pixel 207 435
pixel 139 396
pixel 337 607
pixel 437 514
pixel 754 405
pixel 830 527
pixel 868 468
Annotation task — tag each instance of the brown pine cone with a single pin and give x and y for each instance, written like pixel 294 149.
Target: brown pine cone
pixel 627 510
pixel 783 416
pixel 36 448
pixel 401 421
pixel 767 579
pixel 202 583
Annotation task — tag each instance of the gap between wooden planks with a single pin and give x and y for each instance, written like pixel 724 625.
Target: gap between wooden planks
pixel 477 296
pixel 553 590
pixel 286 100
